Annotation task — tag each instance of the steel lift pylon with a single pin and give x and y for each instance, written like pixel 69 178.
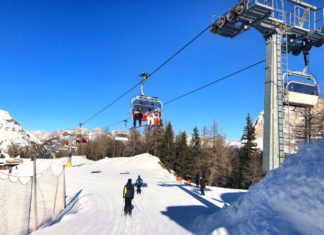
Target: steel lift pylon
pixel 293 28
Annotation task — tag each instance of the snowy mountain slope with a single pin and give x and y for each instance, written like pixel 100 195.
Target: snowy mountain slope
pixel 41 135
pixel 91 134
pixel 12 133
pixel 164 207
pixel 290 200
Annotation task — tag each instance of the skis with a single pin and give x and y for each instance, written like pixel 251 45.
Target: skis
pixel 148 127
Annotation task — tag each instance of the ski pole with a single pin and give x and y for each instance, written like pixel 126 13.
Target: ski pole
pixel 136 207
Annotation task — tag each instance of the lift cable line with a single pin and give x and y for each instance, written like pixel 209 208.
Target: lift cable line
pixel 110 104
pixel 148 75
pixel 117 123
pixel 178 51
pixel 202 87
pixel 213 82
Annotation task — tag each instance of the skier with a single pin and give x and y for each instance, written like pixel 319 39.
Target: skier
pixel 202 186
pixel 128 195
pixel 157 121
pixel 137 115
pixel 139 183
pixel 197 180
pixel 150 117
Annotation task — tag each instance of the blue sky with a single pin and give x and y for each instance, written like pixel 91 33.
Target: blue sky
pixel 62 61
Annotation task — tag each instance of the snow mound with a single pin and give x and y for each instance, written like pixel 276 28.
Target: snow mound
pixel 138 163
pixel 290 200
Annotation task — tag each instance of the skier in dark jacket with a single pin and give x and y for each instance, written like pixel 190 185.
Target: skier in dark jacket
pixel 128 195
pixel 137 115
pixel 197 180
pixel 202 186
pixel 139 183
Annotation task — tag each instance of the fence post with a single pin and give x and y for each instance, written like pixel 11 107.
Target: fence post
pixel 35 195
pixel 64 186
pixel 30 205
pixel 57 184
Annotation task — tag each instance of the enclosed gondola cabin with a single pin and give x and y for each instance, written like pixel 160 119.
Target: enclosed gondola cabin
pixel 301 94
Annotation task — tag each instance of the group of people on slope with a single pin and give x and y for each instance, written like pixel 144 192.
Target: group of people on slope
pixel 152 117
pixel 128 193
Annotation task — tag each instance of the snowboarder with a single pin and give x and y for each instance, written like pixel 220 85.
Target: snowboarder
pixel 139 183
pixel 202 186
pixel 128 195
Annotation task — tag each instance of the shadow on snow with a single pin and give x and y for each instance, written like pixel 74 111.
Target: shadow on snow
pixel 229 198
pixel 186 216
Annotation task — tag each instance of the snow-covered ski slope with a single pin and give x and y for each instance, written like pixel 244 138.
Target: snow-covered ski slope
pixel 164 207
pixel 289 200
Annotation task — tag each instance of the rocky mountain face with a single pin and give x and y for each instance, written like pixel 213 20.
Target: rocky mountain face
pixel 64 134
pixel 12 133
pixel 295 125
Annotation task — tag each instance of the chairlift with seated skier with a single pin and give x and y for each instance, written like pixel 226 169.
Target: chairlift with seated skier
pixel 146 108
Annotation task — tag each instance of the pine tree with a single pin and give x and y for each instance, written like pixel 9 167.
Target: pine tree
pixel 157 136
pixel 196 151
pixel 183 162
pixel 249 157
pixel 167 150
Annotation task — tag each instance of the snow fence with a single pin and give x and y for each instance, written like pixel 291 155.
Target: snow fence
pixel 27 203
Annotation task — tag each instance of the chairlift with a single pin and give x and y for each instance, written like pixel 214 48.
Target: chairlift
pixel 79 138
pixel 121 136
pixel 301 94
pixel 146 104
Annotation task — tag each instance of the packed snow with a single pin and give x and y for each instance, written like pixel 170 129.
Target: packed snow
pixel 290 200
pixel 95 203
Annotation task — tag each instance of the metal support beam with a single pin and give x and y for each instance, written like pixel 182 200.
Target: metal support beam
pixel 273 108
pixel 304 4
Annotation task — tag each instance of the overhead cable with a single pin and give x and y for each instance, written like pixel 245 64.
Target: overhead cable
pixel 208 84
pixel 178 51
pixel 213 82
pixel 149 75
pixel 110 104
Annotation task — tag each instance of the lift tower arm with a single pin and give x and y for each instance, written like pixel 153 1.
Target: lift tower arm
pixel 304 4
pixel 306 60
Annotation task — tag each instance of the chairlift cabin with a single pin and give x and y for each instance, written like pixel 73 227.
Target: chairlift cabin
pixel 80 139
pixel 301 94
pixel 146 104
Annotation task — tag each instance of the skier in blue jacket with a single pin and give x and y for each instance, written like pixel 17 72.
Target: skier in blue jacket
pixel 139 183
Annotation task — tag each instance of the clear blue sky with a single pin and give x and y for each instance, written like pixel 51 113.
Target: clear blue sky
pixel 62 61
